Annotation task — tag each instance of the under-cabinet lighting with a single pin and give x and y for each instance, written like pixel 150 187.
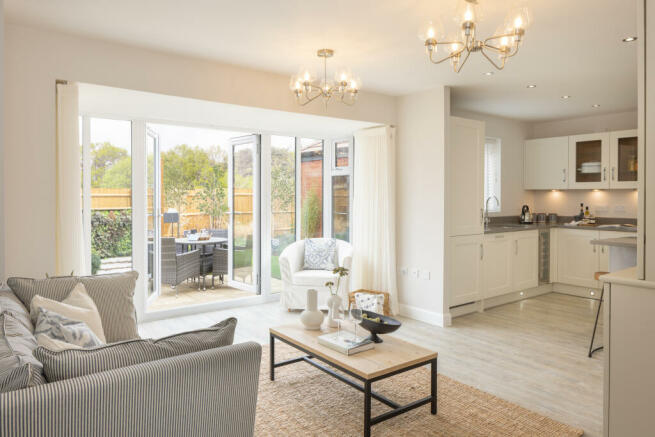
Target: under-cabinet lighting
pixel 595 105
pixel 630 39
pixel 566 96
pixel 532 86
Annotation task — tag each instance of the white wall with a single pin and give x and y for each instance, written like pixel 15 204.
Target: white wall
pixel 36 58
pixel 512 134
pixel 585 125
pixel 420 228
pixel 2 158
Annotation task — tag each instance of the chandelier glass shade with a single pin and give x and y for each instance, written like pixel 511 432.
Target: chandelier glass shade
pixel 497 48
pixel 306 87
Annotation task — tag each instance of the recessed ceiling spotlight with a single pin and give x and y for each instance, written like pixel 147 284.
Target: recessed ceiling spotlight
pixel 595 105
pixel 532 86
pixel 489 73
pixel 629 39
pixel 566 97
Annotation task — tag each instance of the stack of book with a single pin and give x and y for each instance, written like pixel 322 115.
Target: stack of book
pixel 345 342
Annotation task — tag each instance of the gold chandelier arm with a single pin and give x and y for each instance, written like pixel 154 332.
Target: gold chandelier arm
pixel 459 68
pixel 516 50
pixel 450 55
pixel 492 61
pixel 310 99
pixel 343 100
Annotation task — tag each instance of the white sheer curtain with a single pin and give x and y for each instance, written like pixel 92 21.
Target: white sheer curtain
pixel 374 209
pixel 69 235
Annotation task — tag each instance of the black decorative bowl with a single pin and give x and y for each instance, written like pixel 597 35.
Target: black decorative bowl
pixel 384 326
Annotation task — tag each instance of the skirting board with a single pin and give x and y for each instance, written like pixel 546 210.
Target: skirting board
pixel 500 300
pixel 430 317
pixel 575 290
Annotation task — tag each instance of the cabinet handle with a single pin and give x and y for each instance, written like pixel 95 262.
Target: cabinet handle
pixel 594 246
pixel 602 249
pixel 563 175
pixel 613 176
pixel 481 251
pixel 604 173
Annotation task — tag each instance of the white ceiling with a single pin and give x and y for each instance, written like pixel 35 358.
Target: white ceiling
pixel 103 101
pixel 572 47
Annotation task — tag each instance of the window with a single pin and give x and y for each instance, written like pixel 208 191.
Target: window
pixel 311 189
pixel 341 207
pixel 283 202
pixel 492 157
pixel 341 154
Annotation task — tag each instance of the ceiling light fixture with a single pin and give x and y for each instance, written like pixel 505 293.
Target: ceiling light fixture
pixel 504 43
pixel 565 97
pixel 532 86
pixel 630 39
pixel 595 105
pixel 489 73
pixel 307 88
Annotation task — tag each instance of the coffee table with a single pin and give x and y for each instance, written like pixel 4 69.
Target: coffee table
pixel 387 359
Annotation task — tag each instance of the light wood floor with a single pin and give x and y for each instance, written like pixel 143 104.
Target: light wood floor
pixel 532 352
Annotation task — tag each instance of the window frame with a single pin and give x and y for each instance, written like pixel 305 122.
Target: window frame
pixel 497 207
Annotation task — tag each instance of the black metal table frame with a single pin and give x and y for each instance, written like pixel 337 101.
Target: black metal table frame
pixel 369 421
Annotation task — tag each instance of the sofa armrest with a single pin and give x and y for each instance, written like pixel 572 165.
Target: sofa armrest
pixel 291 261
pixel 213 392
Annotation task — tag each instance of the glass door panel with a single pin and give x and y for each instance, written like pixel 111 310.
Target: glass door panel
pixel 244 257
pixel 283 202
pixel 626 166
pixel 341 207
pixel 311 189
pixel 588 161
pixel 153 213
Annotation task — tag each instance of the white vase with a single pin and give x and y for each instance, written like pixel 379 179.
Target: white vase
pixel 334 304
pixel 312 317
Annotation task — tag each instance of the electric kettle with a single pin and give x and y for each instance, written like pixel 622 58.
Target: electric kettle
pixel 526 215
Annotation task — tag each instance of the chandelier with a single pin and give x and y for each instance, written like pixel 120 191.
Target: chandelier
pixel 502 45
pixel 307 88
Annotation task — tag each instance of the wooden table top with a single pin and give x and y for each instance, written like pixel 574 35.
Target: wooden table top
pixel 386 357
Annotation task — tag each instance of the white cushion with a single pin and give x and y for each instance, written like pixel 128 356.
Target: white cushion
pixel 53 344
pixel 314 277
pixel 320 254
pixel 370 302
pixel 77 306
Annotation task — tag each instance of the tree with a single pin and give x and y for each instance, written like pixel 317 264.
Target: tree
pixel 118 175
pixel 184 168
pixel 211 197
pixel 103 157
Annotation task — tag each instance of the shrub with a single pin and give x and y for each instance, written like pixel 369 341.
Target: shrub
pixel 95 262
pixel 111 233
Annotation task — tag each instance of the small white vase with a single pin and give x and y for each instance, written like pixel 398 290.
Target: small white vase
pixel 334 304
pixel 312 317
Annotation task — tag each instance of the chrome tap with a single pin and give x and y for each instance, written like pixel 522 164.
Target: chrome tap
pixel 486 210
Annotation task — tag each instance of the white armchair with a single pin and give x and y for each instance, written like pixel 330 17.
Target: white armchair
pixel 297 281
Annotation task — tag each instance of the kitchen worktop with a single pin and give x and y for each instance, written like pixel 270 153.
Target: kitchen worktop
pixel 495 228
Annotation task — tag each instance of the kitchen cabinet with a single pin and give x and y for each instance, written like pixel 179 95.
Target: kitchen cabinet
pixel 465 177
pixel 624 159
pixel 604 251
pixel 589 159
pixel 577 258
pixel 546 164
pixel 525 266
pixel 497 257
pixel 464 279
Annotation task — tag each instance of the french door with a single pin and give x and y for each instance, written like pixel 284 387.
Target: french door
pixel 153 214
pixel 244 188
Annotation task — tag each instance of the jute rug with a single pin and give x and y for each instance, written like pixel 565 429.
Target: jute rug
pixel 304 401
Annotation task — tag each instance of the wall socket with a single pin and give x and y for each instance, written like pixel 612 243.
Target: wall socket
pixel 425 275
pixel 414 273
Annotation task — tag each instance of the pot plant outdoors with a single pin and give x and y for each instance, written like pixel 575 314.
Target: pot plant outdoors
pixel 334 301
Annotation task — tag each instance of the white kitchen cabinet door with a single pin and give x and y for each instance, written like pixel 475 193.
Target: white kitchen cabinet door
pixel 464 280
pixel 589 160
pixel 525 260
pixel 546 164
pixel 465 187
pixel 497 264
pixel 604 251
pixel 577 258
pixel 624 152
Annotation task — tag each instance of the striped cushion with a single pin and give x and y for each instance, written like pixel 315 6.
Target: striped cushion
pixel 18 367
pixel 71 363
pixel 112 294
pixel 9 303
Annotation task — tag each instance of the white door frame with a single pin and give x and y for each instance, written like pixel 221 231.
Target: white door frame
pixel 156 214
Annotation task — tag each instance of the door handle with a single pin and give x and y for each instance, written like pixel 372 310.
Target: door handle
pixel 481 251
pixel 563 175
pixel 613 176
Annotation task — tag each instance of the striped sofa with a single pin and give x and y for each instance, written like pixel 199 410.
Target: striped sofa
pixel 207 393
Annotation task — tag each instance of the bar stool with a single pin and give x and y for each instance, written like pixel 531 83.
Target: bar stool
pixel 597 276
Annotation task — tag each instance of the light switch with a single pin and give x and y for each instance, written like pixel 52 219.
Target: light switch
pixel 425 275
pixel 414 273
pixel 403 271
